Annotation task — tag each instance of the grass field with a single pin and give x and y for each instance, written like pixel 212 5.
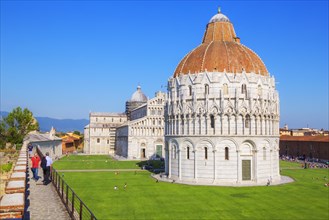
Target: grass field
pixel 306 198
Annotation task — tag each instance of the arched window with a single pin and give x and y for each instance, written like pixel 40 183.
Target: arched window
pixel 98 140
pixel 212 121
pixel 190 90
pixel 225 89
pixel 188 153
pixel 205 153
pixel 206 89
pixel 226 153
pixel 264 153
pixel 247 122
pixel 96 119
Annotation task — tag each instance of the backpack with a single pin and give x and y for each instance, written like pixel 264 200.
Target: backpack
pixel 43 163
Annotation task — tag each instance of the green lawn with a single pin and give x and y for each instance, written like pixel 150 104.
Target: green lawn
pixel 78 162
pixel 306 198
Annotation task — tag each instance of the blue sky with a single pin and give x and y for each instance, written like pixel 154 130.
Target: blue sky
pixel 63 59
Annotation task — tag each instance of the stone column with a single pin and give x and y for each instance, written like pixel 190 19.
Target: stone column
pixel 207 118
pixel 238 167
pixel 255 158
pixel 228 124
pixel 271 161
pixel 169 161
pixel 195 166
pixel 214 152
pixel 180 164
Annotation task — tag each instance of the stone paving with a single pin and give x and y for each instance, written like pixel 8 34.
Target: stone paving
pixel 43 202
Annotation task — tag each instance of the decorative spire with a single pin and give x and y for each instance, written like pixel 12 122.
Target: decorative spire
pixel 219 10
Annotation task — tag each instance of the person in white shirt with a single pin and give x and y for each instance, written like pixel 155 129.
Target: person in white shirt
pixel 48 169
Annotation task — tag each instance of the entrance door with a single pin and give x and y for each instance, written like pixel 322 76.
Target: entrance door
pixel 143 153
pixel 159 151
pixel 246 170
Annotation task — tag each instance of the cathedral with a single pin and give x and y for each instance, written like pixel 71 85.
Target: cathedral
pixel 222 113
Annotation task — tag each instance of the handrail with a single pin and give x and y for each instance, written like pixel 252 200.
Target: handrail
pixel 69 197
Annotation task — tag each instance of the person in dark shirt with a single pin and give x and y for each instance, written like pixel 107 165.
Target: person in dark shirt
pixel 30 148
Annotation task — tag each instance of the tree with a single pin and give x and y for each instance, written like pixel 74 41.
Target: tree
pixel 3 137
pixel 18 124
pixel 76 132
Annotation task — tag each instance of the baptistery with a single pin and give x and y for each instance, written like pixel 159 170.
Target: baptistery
pixel 222 113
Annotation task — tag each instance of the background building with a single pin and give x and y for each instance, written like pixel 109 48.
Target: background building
pixel 100 135
pixel 47 142
pixel 222 113
pixel 143 136
pixel 306 147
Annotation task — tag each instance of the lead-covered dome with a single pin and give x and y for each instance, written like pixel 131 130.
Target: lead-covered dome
pixel 221 51
pixel 138 96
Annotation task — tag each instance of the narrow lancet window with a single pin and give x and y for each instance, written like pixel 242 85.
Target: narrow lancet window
pixel 226 153
pixel 212 121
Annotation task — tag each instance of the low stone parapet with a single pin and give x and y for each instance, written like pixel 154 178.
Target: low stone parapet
pixel 15 186
pixel 18 176
pixel 12 206
pixel 20 168
pixel 21 163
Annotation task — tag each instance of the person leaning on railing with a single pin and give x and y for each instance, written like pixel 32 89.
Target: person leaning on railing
pixel 48 169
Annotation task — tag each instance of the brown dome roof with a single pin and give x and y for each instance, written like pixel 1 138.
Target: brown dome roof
pixel 221 51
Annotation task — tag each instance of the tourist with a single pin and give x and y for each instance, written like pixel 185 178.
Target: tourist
pixel 44 167
pixel 268 182
pixel 35 165
pixel 30 148
pixel 125 186
pixel 48 169
pixel 115 188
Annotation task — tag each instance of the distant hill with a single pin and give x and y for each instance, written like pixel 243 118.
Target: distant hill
pixel 63 125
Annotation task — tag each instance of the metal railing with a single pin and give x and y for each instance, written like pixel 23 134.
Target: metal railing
pixel 74 205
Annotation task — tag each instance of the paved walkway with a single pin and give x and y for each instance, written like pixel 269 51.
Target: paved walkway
pixel 43 201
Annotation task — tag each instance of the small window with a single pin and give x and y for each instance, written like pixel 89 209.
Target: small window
pixel 247 122
pixel 188 153
pixel 226 153
pixel 98 140
pixel 108 141
pixel 225 89
pixel 206 89
pixel 96 119
pixel 112 119
pixel 190 90
pixel 244 89
pixel 212 121
pixel 206 153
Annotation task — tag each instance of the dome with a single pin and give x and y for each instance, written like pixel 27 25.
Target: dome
pixel 221 51
pixel 219 17
pixel 138 96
